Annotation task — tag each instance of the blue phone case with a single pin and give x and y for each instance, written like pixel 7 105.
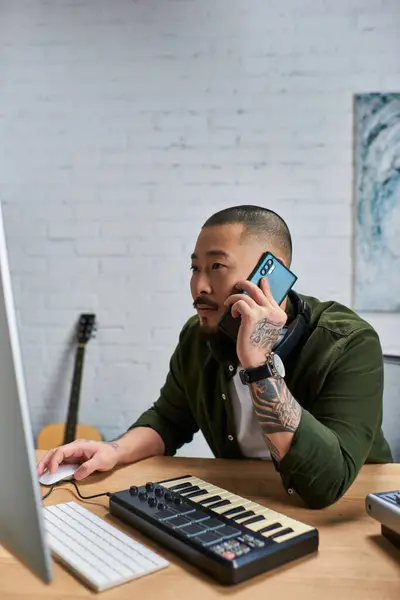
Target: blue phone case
pixel 280 278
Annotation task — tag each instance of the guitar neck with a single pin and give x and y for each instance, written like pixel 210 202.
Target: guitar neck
pixel 73 407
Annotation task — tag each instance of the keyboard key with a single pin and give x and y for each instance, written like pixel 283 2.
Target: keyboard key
pixel 195 494
pixel 218 504
pixel 279 533
pixel 247 513
pixel 208 538
pixel 192 488
pixel 253 520
pixel 209 500
pixel 180 486
pixel 270 527
pixel 233 511
pixel 193 529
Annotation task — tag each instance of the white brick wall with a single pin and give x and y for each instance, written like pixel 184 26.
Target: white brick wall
pixel 124 125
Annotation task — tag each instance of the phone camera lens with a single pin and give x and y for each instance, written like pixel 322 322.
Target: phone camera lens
pixel 263 272
pixel 269 263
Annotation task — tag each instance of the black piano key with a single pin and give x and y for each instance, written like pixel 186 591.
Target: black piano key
pixel 279 533
pixel 219 503
pixel 194 494
pixel 253 520
pixel 210 499
pixel 192 488
pixel 270 527
pixel 233 511
pixel 247 513
pixel 180 486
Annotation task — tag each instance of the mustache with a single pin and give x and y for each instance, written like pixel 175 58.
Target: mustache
pixel 206 301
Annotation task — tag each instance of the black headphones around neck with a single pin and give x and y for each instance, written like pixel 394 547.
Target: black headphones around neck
pixel 297 331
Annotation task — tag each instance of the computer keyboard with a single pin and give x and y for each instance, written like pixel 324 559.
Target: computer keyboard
pixel 95 551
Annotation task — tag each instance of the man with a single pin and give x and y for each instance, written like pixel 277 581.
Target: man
pixel 318 424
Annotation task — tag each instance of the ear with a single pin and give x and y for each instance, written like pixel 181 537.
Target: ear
pixel 282 259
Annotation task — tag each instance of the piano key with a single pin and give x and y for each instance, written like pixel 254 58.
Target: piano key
pixel 258 525
pixel 170 484
pixel 195 494
pixel 255 519
pixel 180 486
pixel 299 529
pixel 209 500
pixel 285 531
pixel 193 488
pixel 247 513
pixel 233 511
pixel 231 505
pixel 218 504
pixel 269 528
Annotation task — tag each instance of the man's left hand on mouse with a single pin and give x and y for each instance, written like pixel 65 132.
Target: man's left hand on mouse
pixel 262 320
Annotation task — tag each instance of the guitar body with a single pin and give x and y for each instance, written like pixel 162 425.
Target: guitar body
pixel 57 434
pixel 52 435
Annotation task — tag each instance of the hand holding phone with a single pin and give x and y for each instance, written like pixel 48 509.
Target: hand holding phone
pixel 280 279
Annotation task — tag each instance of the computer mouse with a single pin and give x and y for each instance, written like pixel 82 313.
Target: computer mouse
pixel 64 471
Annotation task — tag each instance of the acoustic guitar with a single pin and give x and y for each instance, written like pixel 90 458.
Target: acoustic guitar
pixel 56 434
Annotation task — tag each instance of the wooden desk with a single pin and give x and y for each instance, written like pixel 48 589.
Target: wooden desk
pixel 354 562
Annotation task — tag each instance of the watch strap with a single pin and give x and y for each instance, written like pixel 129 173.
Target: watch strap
pixel 256 374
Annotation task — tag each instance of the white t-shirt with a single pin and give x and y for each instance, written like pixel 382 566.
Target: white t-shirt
pixel 248 430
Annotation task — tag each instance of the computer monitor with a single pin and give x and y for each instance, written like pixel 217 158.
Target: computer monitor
pixel 22 530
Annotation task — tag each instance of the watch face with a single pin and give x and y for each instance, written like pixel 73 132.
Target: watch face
pixel 278 365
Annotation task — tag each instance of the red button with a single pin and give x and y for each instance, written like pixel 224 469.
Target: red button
pixel 229 555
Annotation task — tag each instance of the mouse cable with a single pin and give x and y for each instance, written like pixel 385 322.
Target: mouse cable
pixel 59 484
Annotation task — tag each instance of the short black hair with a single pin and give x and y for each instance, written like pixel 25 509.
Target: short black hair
pixel 262 223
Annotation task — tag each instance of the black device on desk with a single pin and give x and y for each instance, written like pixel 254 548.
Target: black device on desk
pixel 230 537
pixel 384 507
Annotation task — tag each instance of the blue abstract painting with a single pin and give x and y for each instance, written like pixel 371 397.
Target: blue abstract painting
pixel 377 202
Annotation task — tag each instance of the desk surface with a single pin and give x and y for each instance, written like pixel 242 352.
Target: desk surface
pixel 354 561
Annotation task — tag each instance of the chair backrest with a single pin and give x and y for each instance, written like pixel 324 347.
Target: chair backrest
pixel 391 404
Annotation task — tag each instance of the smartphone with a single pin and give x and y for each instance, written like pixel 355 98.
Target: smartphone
pixel 280 278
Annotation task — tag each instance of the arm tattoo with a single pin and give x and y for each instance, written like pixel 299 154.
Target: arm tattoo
pixel 276 409
pixel 265 333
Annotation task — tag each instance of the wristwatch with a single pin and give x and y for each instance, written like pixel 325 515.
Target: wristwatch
pixel 274 367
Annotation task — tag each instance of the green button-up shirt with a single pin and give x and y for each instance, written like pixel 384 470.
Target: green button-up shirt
pixel 336 376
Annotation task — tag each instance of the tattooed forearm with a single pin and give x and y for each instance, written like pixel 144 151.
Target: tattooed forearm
pixel 278 414
pixel 275 407
pixel 265 333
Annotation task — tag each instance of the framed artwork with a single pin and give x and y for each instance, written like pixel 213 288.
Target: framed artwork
pixel 377 203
